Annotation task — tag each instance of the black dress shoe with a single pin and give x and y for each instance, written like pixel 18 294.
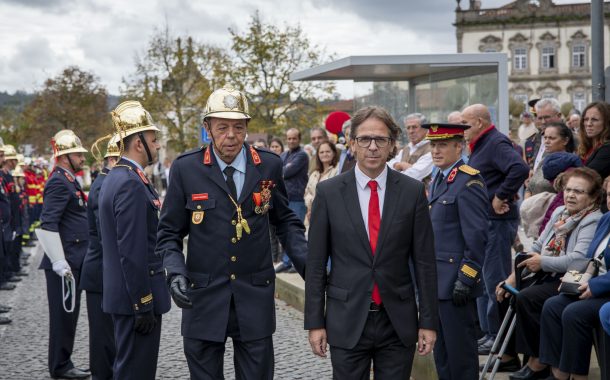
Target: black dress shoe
pixel 526 373
pixel 5 320
pixel 510 365
pixel 7 286
pixel 73 373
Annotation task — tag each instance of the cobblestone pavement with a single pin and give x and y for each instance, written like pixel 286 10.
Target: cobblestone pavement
pixel 23 343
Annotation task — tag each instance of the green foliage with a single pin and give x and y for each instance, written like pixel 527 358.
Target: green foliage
pixel 264 57
pixel 173 81
pixel 72 100
pixel 566 108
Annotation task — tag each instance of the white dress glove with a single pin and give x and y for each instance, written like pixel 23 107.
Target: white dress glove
pixel 61 267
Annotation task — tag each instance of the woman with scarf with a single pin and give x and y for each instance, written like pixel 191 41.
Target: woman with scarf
pixel 563 243
pixel 567 322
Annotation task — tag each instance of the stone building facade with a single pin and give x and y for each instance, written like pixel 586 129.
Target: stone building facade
pixel 548 45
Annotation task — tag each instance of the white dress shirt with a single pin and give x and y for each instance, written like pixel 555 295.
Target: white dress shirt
pixel 364 192
pixel 421 168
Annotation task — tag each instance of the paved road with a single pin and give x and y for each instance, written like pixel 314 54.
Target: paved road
pixel 23 344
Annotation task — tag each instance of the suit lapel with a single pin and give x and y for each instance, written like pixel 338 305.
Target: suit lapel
pixel 352 205
pixel 392 193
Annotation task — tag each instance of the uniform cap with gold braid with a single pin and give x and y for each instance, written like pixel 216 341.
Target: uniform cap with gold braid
pixel 66 141
pixel 130 117
pixel 112 149
pixel 10 153
pixel 438 131
pixel 227 103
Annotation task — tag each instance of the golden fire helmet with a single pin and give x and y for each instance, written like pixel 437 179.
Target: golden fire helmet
pixel 227 103
pixel 130 117
pixel 10 153
pixel 18 171
pixel 112 149
pixel 66 141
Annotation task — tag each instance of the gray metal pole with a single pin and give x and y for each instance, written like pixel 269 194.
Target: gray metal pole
pixel 598 85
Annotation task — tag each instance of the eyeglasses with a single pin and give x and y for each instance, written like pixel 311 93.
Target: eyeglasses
pixel 380 142
pixel 577 192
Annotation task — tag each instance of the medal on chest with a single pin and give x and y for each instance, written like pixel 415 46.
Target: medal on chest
pixel 262 200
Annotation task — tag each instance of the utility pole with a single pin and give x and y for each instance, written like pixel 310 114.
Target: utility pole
pixel 598 85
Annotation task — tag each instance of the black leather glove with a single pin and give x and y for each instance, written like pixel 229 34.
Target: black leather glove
pixel 177 288
pixel 145 322
pixel 461 293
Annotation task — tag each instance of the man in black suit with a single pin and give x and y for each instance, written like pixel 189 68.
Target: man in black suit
pixel 374 224
pixel 224 197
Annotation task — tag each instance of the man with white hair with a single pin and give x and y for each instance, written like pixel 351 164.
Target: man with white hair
pixel 415 159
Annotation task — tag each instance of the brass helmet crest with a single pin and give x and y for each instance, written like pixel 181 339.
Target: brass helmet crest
pixel 130 117
pixel 112 149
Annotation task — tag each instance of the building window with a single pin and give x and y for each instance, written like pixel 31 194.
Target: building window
pixel 548 57
pixel 579 55
pixel 579 100
pixel 520 58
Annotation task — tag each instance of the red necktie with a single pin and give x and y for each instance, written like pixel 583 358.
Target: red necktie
pixel 374 222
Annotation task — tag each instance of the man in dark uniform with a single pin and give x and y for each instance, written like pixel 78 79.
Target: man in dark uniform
pixel 134 289
pixel 12 235
pixel 459 213
pixel 64 214
pixel 101 328
pixel 5 215
pixel 224 198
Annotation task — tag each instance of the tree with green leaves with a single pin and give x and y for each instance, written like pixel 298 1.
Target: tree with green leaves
pixel 173 80
pixel 264 57
pixel 72 100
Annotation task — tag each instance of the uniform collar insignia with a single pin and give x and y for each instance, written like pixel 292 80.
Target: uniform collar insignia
pixel 207 156
pixel 452 175
pixel 255 157
pixel 142 176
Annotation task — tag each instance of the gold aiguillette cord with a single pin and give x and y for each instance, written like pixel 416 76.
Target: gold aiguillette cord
pixel 242 223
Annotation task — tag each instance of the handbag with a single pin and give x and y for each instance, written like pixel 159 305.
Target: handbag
pixel 573 279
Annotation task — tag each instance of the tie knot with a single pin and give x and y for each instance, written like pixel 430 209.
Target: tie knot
pixel 373 185
pixel 229 170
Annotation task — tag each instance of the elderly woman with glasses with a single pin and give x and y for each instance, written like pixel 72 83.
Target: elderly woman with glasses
pixel 563 244
pixel 567 322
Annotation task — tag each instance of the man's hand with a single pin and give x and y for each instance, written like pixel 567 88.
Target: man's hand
pixel 499 206
pixel 61 267
pixel 461 293
pixel 145 323
pixel 426 341
pixel 177 288
pixel 317 340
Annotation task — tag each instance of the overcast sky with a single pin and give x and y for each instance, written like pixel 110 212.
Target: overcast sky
pixel 38 38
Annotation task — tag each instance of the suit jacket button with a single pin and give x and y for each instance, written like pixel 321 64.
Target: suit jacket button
pixel 77 240
pixel 233 222
pixel 233 258
pixel 198 207
pixel 268 281
pixel 233 240
pixel 233 277
pixel 444 202
pixel 451 260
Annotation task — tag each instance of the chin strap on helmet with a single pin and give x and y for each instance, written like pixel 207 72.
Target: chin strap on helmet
pixel 148 154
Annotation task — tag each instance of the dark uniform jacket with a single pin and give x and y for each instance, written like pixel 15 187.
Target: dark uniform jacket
pixel 91 274
pixel 459 212
pixel 64 210
pixel 132 274
pixel 219 266
pixel 340 301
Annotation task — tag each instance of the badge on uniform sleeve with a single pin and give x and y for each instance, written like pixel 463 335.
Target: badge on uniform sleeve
pixel 197 217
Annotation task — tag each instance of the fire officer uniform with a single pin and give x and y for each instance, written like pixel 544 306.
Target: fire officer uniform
pixel 459 213
pixel 134 289
pixel 64 213
pixel 101 328
pixel 12 235
pixel 229 269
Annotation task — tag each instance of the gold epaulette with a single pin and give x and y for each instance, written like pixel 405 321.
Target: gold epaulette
pixel 469 170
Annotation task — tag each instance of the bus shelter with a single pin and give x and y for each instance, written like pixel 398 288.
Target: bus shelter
pixel 433 84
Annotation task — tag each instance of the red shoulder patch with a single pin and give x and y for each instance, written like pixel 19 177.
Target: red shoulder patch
pixel 207 157
pixel 255 157
pixel 142 176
